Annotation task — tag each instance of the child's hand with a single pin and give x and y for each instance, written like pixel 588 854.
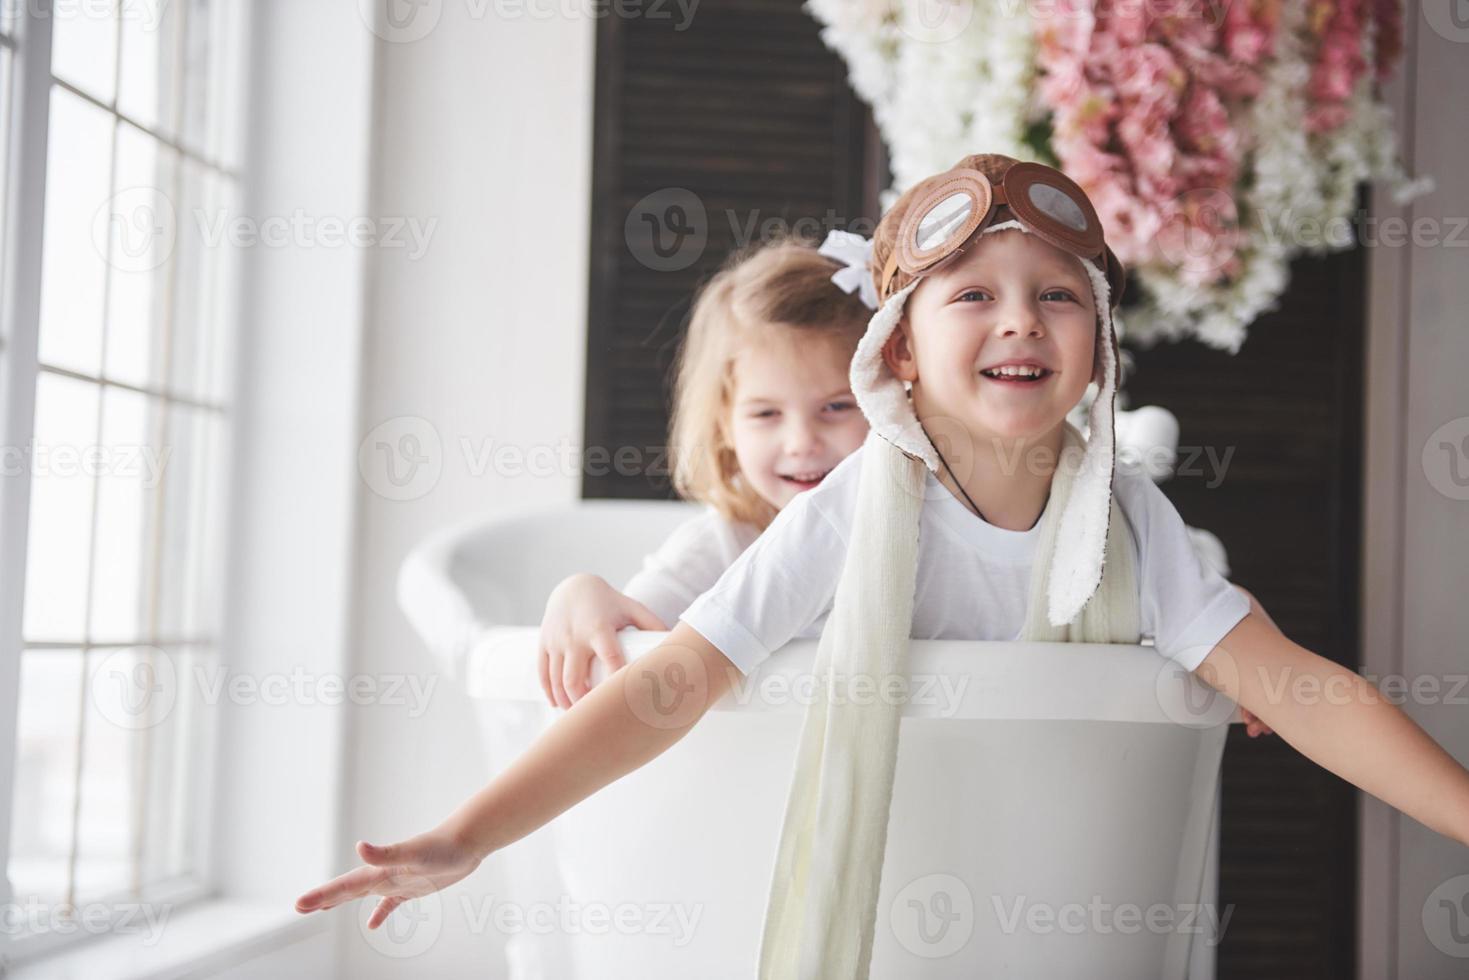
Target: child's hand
pixel 412 869
pixel 583 615
pixel 1254 725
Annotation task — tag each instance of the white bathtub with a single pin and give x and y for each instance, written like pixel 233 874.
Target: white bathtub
pixel 1054 814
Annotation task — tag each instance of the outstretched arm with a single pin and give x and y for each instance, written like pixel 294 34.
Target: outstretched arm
pixel 1342 722
pixel 628 720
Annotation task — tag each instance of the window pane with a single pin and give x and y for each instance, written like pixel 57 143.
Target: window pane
pixel 45 773
pixel 146 223
pixel 126 497
pixel 7 85
pixel 148 82
pixel 84 46
pixel 131 691
pixel 78 216
pixel 177 753
pixel 62 489
pixel 192 516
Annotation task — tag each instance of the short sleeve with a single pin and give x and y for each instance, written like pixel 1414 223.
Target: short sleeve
pixel 688 563
pixel 780 585
pixel 1186 605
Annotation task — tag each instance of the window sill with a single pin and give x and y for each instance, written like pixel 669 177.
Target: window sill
pixel 202 938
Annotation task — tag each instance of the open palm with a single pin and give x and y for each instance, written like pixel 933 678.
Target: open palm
pixel 416 867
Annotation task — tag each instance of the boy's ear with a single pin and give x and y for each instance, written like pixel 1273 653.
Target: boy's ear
pixel 898 353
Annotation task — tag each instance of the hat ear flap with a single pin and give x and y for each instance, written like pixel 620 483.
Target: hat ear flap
pixel 1116 275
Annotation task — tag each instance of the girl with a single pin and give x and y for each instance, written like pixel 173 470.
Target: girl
pixel 762 410
pixel 997 293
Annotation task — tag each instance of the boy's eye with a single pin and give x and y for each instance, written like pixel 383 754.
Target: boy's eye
pixel 973 296
pixel 1059 295
pixel 841 406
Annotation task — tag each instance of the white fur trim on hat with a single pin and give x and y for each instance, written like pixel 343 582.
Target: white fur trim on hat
pixel 1082 538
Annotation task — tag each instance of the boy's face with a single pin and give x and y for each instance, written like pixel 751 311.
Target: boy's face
pixel 1008 296
pixel 793 416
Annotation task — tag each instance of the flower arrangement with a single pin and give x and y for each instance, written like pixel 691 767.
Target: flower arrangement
pixel 1207 133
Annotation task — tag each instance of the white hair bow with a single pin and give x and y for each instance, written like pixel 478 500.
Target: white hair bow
pixel 855 252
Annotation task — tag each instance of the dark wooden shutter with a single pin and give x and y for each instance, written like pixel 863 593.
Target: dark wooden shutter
pixel 1289 512
pixel 748 111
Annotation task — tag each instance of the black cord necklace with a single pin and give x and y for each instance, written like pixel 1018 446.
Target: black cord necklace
pixel 957 483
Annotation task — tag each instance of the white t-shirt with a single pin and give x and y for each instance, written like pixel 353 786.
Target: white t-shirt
pixel 973 579
pixel 689 563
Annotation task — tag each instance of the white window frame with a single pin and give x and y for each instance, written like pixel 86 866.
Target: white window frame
pixel 25 184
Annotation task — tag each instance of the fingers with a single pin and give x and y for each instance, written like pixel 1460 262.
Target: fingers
pixel 574 668
pixel 383 910
pixel 543 666
pixel 609 651
pixel 558 688
pixel 642 617
pixel 353 884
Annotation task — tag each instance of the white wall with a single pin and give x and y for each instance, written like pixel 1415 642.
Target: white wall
pixel 483 126
pixel 1416 557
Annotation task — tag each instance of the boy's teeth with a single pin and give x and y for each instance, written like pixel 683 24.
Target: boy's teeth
pixel 1011 370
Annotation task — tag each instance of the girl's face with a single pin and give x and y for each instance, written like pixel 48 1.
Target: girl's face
pixel 1009 296
pixel 793 415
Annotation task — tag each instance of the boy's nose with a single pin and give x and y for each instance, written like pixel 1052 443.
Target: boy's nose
pixel 1020 317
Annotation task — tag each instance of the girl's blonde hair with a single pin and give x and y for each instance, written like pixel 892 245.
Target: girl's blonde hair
pixel 783 285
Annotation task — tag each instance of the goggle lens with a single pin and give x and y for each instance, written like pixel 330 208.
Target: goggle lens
pixel 1057 205
pixel 942 222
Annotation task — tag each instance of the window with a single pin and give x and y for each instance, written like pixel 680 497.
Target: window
pixel 133 332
